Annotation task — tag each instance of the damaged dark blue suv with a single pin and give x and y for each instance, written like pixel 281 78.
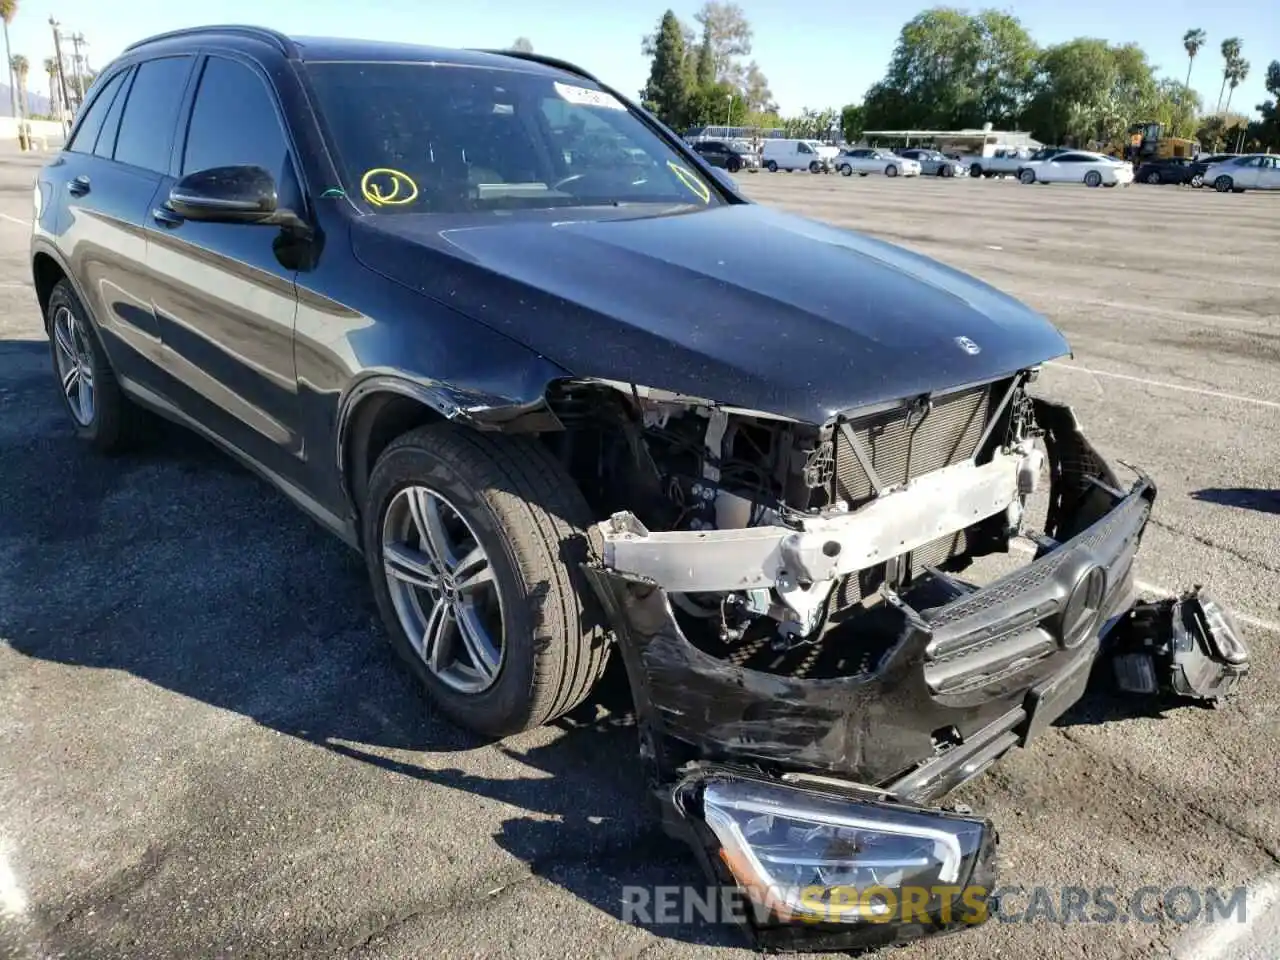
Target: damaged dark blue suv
pixel 569 392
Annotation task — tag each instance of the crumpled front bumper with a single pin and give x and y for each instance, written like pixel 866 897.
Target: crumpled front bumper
pixel 993 666
pixel 961 685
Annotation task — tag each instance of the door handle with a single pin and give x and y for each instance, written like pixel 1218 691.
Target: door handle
pixel 166 218
pixel 78 186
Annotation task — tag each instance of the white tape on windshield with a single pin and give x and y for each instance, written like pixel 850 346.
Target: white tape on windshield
pixel 586 97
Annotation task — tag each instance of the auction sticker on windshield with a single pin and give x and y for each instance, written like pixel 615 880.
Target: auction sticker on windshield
pixel 586 97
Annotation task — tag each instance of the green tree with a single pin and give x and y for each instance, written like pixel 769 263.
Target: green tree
pixel 1266 131
pixel 950 69
pixel 9 10
pixel 1237 75
pixel 1088 89
pixel 728 35
pixel 1230 54
pixel 667 91
pixel 852 122
pixel 716 103
pixel 705 73
pixel 1192 41
pixel 522 45
pixel 21 68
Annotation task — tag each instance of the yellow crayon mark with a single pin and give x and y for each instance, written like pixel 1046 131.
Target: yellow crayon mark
pixel 686 176
pixel 373 191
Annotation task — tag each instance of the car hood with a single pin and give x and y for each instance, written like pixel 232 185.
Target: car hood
pixel 741 304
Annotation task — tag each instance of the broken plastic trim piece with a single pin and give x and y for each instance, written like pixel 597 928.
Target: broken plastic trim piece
pixel 823 869
pixel 1188 646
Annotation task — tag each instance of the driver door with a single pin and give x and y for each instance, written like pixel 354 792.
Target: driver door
pixel 1247 174
pixel 223 293
pixel 1269 174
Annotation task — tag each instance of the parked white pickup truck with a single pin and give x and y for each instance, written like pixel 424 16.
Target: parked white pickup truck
pixel 1002 163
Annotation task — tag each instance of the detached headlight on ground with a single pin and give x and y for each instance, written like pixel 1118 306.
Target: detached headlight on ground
pixel 819 858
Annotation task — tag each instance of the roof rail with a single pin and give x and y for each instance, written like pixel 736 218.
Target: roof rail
pixel 544 60
pixel 273 37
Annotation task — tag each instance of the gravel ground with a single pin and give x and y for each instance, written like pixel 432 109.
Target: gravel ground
pixel 208 749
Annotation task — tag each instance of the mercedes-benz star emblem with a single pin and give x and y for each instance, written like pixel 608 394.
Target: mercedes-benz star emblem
pixel 968 346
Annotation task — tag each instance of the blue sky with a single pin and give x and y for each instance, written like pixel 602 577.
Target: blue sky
pixel 815 54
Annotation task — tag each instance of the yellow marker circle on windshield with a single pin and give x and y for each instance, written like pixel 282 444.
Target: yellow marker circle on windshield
pixel 383 186
pixel 687 177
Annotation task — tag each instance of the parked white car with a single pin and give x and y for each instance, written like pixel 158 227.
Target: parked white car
pixel 1257 171
pixel 795 155
pixel 1078 166
pixel 866 160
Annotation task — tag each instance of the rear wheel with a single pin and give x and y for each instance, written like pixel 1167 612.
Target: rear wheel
pixel 772 166
pixel 1197 181
pixel 975 170
pixel 1223 184
pixel 1026 176
pixel 733 165
pixel 846 170
pixel 1153 177
pixel 1093 179
pixel 891 170
pixel 947 171
pixel 474 545
pixel 815 167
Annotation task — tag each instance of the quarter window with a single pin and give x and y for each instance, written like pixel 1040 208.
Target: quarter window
pixel 146 129
pixel 86 134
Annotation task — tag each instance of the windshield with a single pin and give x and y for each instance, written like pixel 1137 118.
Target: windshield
pixel 439 138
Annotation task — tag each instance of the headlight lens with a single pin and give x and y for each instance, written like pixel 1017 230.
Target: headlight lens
pixel 822 858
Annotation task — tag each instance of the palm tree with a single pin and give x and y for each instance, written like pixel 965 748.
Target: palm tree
pixel 21 70
pixel 9 10
pixel 1192 41
pixel 1238 74
pixel 51 68
pixel 1230 54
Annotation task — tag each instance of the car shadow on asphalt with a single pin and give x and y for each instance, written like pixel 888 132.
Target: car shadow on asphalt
pixel 179 567
pixel 1245 498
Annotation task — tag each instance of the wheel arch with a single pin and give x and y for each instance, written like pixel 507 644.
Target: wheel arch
pixel 377 409
pixel 48 269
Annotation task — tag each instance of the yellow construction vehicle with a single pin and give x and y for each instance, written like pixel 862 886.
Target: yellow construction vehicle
pixel 1146 141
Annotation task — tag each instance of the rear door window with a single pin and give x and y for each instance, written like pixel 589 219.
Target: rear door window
pixel 151 114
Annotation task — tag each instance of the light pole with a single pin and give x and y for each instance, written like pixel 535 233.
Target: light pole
pixel 728 116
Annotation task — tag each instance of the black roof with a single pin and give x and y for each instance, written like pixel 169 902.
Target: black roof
pixel 339 48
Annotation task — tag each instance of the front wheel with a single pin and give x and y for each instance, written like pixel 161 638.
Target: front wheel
pixel 1197 181
pixel 734 165
pixel 1223 184
pixel 100 412
pixel 772 166
pixel 815 167
pixel 846 170
pixel 975 170
pixel 1026 176
pixel 1153 178
pixel 473 545
pixel 891 171
pixel 947 171
pixel 1093 179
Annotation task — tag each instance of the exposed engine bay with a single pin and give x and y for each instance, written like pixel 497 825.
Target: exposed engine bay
pixel 759 527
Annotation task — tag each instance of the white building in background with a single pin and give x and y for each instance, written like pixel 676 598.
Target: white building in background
pixel 978 143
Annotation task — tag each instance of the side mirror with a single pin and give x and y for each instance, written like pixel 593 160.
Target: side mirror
pixel 226 195
pixel 725 179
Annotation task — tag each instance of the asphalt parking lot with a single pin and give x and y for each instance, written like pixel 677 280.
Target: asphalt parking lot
pixel 207 748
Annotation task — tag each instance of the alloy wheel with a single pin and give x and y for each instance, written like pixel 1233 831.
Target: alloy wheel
pixel 75 365
pixel 443 589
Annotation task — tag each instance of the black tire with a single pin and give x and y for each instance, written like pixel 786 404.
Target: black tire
pixel 846 170
pixel 947 171
pixel 815 167
pixel 1093 179
pixel 1153 178
pixel 772 166
pixel 1223 184
pixel 1197 181
pixel 1026 176
pixel 891 170
pixel 116 424
pixel 733 165
pixel 533 523
pixel 975 170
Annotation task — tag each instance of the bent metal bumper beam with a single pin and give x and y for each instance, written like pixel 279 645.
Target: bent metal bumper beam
pixel 825 547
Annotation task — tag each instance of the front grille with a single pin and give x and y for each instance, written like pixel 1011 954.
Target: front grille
pixel 947 434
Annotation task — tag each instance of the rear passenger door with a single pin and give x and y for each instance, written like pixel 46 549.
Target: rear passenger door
pixel 223 293
pixel 1269 174
pixel 107 182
